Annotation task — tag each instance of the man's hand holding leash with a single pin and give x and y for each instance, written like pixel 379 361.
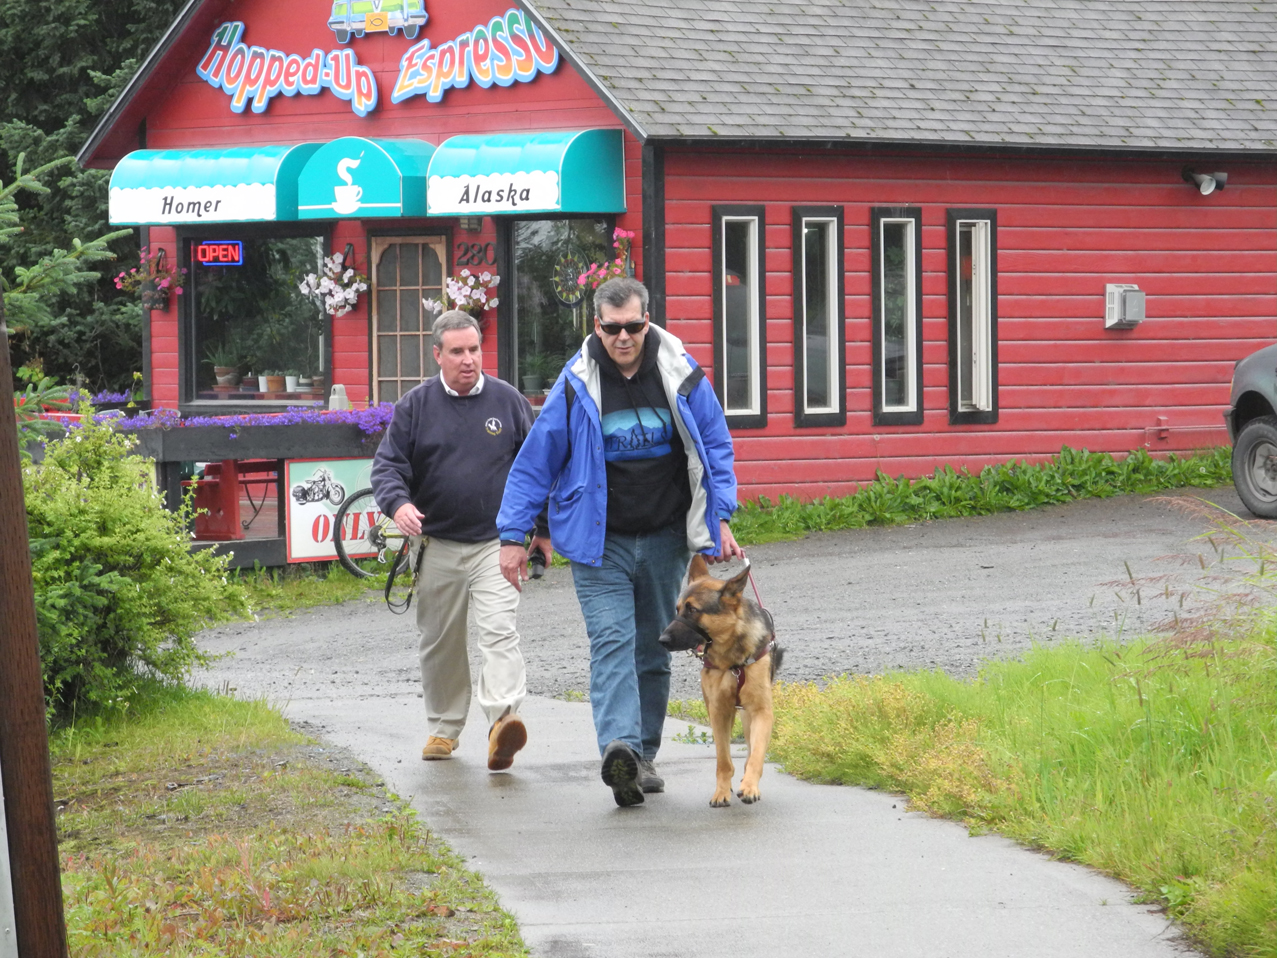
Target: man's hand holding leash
pixel 408 518
pixel 730 548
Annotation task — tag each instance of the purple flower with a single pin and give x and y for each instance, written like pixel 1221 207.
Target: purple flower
pixel 372 420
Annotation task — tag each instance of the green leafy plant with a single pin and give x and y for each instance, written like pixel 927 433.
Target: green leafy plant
pixel 118 591
pixel 949 493
pixel 222 354
pixel 41 395
pixel 28 299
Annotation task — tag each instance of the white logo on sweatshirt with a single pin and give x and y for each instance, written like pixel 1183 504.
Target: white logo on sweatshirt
pixel 493 426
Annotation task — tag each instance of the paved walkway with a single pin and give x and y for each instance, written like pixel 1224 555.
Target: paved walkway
pixel 812 870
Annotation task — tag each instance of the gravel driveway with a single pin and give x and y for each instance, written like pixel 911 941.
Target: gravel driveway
pixel 945 594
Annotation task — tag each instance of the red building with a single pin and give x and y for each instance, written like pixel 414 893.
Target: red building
pixel 896 236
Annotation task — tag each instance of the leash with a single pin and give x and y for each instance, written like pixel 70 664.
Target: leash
pixel 401 562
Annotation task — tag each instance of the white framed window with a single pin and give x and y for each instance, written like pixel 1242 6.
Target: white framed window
pixel 897 327
pixel 819 322
pixel 739 322
pixel 972 316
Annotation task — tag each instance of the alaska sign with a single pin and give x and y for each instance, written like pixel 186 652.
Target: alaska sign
pixel 505 50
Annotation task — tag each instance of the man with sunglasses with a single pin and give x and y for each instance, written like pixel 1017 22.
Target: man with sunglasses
pixel 633 452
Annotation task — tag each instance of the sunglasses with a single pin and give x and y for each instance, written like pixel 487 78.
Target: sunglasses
pixel 614 329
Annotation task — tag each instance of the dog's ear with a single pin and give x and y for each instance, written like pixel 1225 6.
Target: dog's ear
pixel 699 569
pixel 736 584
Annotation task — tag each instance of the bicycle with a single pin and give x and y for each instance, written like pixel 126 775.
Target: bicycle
pixel 360 531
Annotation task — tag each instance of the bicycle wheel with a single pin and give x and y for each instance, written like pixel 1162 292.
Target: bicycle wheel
pixel 360 531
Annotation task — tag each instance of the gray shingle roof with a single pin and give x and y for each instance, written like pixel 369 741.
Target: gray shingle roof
pixel 1114 74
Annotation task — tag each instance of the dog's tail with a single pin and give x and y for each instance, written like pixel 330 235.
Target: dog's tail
pixel 778 656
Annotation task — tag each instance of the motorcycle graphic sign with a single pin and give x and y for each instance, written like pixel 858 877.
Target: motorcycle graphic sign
pixel 316 488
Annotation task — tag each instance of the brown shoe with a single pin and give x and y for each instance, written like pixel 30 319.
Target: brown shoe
pixel 437 748
pixel 506 737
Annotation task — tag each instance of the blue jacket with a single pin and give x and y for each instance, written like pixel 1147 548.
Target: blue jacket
pixel 577 487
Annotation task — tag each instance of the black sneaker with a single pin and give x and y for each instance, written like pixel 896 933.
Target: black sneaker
pixel 620 772
pixel 648 780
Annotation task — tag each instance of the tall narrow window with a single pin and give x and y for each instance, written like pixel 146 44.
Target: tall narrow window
pixel 820 374
pixel 897 325
pixel 973 347
pixel 740 370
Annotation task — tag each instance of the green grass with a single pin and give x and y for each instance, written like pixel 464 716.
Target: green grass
pixel 201 825
pixel 304 586
pixel 950 494
pixel 1153 762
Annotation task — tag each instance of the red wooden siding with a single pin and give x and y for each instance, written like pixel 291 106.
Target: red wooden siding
pixel 1065 228
pixel 164 328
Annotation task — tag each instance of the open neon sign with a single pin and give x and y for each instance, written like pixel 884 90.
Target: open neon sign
pixel 220 253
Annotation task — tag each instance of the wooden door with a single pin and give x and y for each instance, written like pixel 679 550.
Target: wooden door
pixel 406 270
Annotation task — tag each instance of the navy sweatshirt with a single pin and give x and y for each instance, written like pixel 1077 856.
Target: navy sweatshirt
pixel 450 455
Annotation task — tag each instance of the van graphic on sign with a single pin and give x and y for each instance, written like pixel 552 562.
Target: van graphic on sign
pixel 377 16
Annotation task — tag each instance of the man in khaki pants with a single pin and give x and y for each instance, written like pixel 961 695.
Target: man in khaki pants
pixel 440 473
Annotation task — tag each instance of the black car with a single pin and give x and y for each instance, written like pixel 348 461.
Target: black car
pixel 1252 426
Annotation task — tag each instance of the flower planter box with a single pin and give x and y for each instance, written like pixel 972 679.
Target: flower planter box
pixel 307 440
pixel 129 405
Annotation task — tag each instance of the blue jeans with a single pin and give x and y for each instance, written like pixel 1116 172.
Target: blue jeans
pixel 627 601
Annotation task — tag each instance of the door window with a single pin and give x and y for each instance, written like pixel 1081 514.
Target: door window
pixel 406 270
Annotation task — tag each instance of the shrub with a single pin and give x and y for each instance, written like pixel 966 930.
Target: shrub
pixel 117 590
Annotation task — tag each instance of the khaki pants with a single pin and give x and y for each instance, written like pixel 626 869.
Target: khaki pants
pixel 456 578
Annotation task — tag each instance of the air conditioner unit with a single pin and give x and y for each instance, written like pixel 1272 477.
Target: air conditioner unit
pixel 1123 306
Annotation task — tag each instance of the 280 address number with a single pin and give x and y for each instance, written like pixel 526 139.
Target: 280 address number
pixel 476 254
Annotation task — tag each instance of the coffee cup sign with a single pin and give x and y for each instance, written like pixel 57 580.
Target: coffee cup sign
pixel 346 197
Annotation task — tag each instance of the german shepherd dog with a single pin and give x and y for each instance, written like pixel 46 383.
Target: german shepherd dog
pixel 735 639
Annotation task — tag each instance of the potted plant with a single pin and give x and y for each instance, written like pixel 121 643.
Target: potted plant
pixel 290 380
pixel 274 381
pixel 225 362
pixel 537 368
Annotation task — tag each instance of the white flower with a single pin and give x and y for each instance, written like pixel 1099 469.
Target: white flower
pixel 486 277
pixel 493 303
pixel 465 272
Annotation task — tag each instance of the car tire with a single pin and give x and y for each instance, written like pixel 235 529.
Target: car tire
pixel 1255 466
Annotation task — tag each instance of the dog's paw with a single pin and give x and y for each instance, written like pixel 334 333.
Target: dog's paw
pixel 749 796
pixel 721 800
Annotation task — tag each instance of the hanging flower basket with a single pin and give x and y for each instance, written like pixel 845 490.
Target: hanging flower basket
pixel 152 279
pixel 337 287
pixel 473 293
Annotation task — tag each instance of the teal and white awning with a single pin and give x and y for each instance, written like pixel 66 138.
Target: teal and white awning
pixel 237 185
pixel 521 173
pixel 360 177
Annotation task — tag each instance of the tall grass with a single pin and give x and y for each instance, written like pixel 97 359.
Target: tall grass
pixel 1155 761
pixel 1017 485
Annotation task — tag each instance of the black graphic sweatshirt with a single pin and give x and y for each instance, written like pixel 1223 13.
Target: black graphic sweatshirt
pixel 647 484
